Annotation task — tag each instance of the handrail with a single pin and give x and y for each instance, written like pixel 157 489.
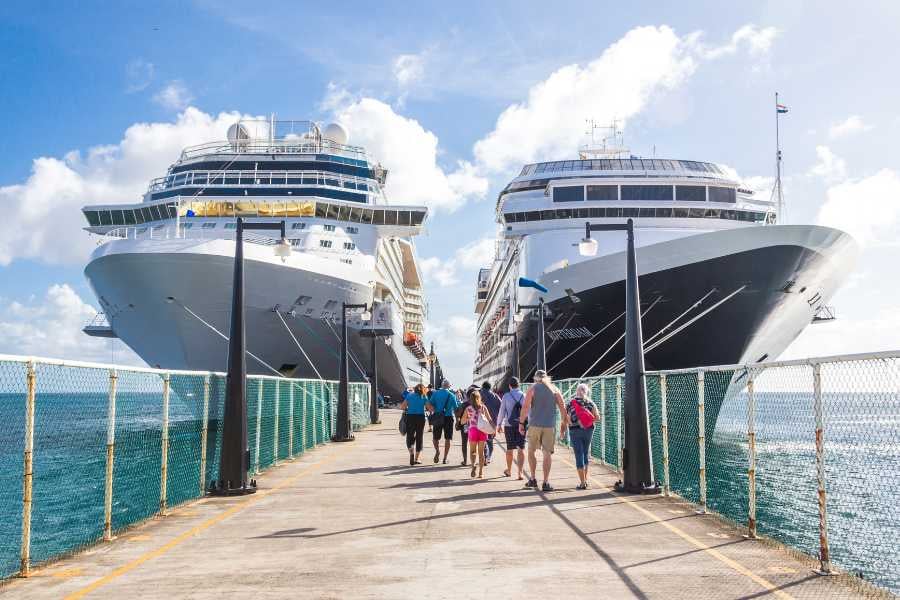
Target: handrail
pixel 266 146
pixel 170 181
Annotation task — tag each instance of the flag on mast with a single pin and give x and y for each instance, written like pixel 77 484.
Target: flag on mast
pixel 781 108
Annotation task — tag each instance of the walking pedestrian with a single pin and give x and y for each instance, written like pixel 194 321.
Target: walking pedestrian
pixel 428 414
pixel 480 424
pixel 508 422
pixel 492 402
pixel 414 405
pixel 443 405
pixel 542 401
pixel 583 414
pixel 462 424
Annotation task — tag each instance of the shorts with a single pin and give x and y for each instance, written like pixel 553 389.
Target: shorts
pixel 445 430
pixel 514 439
pixel 545 437
pixel 477 435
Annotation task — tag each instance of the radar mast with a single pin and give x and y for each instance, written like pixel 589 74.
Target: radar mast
pixel 606 141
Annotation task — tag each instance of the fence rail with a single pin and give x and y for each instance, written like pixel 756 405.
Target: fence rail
pixel 804 451
pixel 89 449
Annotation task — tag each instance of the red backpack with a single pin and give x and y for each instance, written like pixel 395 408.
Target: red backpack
pixel 585 418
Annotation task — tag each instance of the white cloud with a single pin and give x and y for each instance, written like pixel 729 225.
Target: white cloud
pixel 868 208
pixel 477 254
pixel 42 216
pixel 174 96
pixel 51 327
pixel 757 41
pixel 138 75
pixel 455 346
pixel 617 85
pixel 445 272
pixel 441 272
pixel 409 68
pixel 850 125
pixel 409 151
pixel 829 167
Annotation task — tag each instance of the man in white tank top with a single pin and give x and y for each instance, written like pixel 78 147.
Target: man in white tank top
pixel 542 401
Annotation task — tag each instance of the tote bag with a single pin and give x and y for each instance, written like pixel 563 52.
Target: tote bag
pixel 484 425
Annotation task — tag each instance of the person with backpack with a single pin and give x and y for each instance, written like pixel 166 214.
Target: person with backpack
pixel 583 415
pixel 492 403
pixel 508 421
pixel 442 404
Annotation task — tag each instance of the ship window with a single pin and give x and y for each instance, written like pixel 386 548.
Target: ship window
pixel 690 193
pixel 731 215
pixel 596 213
pixel 418 217
pixel 378 217
pixel 154 210
pixel 403 217
pixel 343 213
pixel 352 229
pixel 129 217
pixel 329 227
pixel 722 194
pixel 246 180
pixel 564 213
pixel 390 217
pixel 231 225
pixel 325 243
pixel 534 215
pixel 548 215
pixel 297 226
pixel 712 213
pixel 349 246
pixel 148 216
pixel 614 213
pixel 355 214
pixel 602 192
pixel 118 218
pixel 646 212
pixel 629 212
pixel 511 217
pixel 663 213
pixel 92 217
pixel 698 213
pixel 294 180
pixel 231 180
pixel 366 217
pixel 185 225
pixel 682 213
pixel 208 225
pixel 569 193
pixel 138 216
pixel 105 217
pixel 646 192
pixel 321 210
pixel 332 213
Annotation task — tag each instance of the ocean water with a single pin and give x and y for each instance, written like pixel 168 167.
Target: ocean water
pixel 862 441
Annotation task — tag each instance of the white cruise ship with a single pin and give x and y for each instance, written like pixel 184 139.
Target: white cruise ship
pixel 163 270
pixel 720 282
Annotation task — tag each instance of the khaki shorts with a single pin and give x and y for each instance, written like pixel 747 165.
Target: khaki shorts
pixel 545 437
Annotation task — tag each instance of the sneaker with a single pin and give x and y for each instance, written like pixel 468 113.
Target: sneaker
pixel 412 460
pixel 581 486
pixel 437 457
pixel 531 483
pixel 463 463
pixel 506 472
pixel 546 487
pixel 473 470
pixel 445 461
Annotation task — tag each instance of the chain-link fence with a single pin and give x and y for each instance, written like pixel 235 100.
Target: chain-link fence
pixel 805 452
pixel 87 450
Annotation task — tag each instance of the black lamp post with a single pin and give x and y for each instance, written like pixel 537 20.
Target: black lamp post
pixel 344 430
pixel 234 460
pixel 432 367
pixel 637 458
pixel 541 361
pixel 515 336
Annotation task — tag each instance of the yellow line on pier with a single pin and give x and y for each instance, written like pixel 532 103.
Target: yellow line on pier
pixel 250 500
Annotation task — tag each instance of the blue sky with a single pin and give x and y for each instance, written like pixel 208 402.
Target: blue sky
pixel 453 98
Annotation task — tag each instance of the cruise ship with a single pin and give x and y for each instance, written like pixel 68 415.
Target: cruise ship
pixel 721 282
pixel 163 268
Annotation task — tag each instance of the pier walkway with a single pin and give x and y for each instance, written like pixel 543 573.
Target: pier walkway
pixel 353 521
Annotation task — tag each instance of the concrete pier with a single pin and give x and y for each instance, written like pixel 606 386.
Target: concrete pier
pixel 355 521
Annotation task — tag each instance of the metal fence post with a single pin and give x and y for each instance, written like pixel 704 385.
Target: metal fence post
pixel 110 456
pixel 204 433
pixel 303 423
pixel 25 555
pixel 824 554
pixel 603 421
pixel 164 444
pixel 259 401
pixel 275 441
pixel 751 468
pixel 664 418
pixel 619 423
pixel 291 419
pixel 701 438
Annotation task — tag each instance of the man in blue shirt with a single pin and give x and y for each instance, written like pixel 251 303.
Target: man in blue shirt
pixel 443 404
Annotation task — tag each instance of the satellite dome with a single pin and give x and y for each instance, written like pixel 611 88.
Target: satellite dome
pixel 238 132
pixel 335 133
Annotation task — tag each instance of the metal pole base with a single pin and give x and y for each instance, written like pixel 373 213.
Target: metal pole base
pixel 349 438
pixel 642 488
pixel 217 489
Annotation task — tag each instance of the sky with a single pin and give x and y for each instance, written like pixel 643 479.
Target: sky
pixel 453 98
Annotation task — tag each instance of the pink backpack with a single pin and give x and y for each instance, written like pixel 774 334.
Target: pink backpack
pixel 585 418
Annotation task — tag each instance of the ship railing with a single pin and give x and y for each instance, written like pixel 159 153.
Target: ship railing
pixel 250 179
pixel 287 145
pixel 802 451
pixel 180 232
pixel 91 449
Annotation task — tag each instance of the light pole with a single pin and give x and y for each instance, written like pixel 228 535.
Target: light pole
pixel 234 459
pixel 637 458
pixel 541 361
pixel 432 370
pixel 515 336
pixel 344 430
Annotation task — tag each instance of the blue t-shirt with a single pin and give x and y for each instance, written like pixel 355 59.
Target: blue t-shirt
pixel 415 404
pixel 444 401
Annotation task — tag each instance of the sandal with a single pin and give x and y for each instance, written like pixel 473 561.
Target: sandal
pixel 473 470
pixel 506 473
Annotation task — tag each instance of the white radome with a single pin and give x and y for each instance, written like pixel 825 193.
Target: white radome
pixel 336 133
pixel 237 132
